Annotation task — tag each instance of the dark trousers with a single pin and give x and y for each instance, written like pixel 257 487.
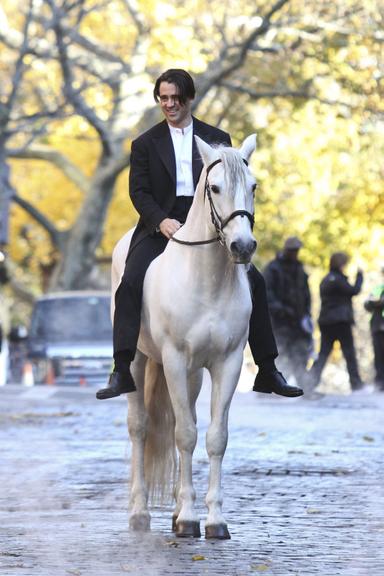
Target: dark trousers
pixel 378 350
pixel 329 335
pixel 128 300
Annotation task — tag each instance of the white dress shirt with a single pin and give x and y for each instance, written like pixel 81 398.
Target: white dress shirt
pixel 182 144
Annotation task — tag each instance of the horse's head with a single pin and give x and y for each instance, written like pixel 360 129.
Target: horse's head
pixel 229 189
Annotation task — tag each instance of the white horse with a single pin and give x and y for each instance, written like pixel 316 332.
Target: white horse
pixel 195 315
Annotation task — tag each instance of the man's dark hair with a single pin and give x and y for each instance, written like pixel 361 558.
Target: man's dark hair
pixel 338 260
pixel 181 79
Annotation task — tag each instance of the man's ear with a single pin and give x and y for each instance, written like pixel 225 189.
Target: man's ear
pixel 248 147
pixel 207 153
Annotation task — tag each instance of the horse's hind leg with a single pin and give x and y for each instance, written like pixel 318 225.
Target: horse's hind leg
pixel 225 375
pixel 137 426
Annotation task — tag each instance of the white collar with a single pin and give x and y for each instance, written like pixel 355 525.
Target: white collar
pixel 183 131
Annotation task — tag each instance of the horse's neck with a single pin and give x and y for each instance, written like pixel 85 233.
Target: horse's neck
pixel 213 257
pixel 196 226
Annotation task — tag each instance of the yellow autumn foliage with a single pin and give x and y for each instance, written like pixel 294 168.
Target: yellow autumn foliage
pixel 318 162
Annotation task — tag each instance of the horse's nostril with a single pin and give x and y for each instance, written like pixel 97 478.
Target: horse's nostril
pixel 235 247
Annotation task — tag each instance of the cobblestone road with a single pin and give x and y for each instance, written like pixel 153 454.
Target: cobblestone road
pixel 303 482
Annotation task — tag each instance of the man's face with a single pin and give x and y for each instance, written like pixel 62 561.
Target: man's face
pixel 176 114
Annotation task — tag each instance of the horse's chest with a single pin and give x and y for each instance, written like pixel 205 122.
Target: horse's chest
pixel 221 322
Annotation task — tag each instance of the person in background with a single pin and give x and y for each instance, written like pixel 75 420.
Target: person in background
pixel 289 301
pixel 375 305
pixel 336 319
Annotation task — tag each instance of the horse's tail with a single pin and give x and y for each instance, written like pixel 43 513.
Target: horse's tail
pixel 160 463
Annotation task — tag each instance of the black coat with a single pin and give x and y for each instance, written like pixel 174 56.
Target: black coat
pixel 152 177
pixel 289 298
pixel 375 304
pixel 336 298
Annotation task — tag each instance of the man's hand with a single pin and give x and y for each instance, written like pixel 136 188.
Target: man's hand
pixel 168 227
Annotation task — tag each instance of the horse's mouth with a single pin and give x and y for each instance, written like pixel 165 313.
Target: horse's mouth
pixel 241 252
pixel 243 259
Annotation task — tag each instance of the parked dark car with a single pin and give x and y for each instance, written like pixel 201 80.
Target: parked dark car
pixel 70 339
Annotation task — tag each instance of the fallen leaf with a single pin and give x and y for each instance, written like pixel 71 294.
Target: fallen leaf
pixel 198 557
pixel 173 544
pixel 368 438
pixel 259 567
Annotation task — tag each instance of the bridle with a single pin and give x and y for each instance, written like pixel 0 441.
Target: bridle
pixel 218 222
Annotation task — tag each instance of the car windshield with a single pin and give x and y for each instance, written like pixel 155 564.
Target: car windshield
pixel 72 319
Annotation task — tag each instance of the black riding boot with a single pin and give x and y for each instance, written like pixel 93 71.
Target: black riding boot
pixel 262 342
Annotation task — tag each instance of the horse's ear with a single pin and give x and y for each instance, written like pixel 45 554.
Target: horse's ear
pixel 248 147
pixel 207 153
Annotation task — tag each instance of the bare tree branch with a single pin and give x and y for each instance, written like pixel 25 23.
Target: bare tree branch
pixel 286 93
pixel 142 26
pixel 57 236
pixel 113 169
pixel 231 58
pixel 20 289
pixel 73 96
pixel 19 68
pixel 90 47
pixel 271 93
pixel 40 152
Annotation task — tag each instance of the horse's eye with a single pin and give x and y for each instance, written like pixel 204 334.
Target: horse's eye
pixel 254 187
pixel 215 189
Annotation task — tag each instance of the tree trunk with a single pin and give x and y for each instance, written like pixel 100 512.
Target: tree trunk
pixel 6 193
pixel 78 257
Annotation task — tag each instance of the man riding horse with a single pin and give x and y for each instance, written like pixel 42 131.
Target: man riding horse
pixel 165 168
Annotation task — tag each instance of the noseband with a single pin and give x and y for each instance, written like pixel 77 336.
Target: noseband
pixel 218 222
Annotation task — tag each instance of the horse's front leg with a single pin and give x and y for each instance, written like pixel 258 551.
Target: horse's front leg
pixel 225 375
pixel 187 521
pixel 195 381
pixel 137 426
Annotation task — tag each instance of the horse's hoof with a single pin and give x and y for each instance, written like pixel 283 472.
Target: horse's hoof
pixel 140 522
pixel 174 521
pixel 188 529
pixel 217 531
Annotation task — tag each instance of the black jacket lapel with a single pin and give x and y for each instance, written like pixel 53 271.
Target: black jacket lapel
pixel 164 147
pixel 197 163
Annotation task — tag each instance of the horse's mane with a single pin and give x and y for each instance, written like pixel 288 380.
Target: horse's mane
pixel 234 167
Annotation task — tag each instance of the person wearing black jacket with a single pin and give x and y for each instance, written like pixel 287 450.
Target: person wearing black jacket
pixel 336 319
pixel 375 305
pixel 289 301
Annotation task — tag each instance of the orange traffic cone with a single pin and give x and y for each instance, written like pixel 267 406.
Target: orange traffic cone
pixel 50 377
pixel 28 378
